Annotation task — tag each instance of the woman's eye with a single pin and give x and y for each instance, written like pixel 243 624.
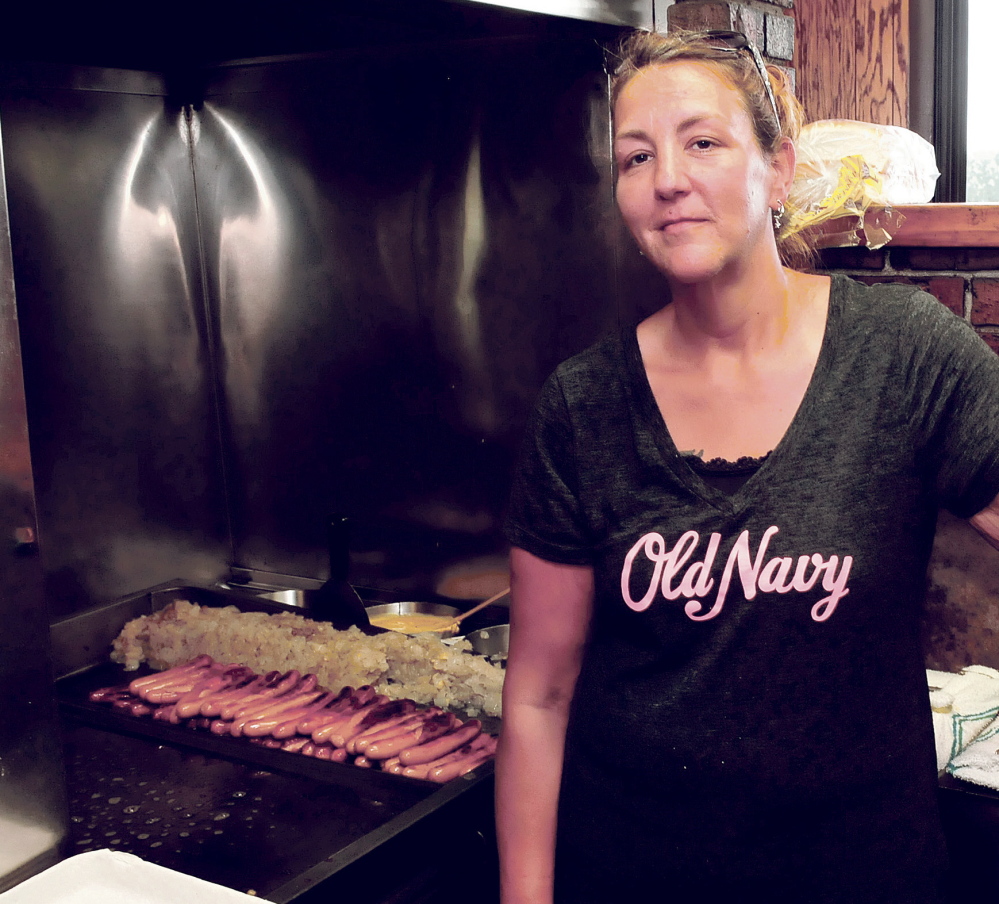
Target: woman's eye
pixel 637 159
pixel 704 144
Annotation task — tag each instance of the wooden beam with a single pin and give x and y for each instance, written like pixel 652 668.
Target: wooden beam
pixel 924 225
pixel 949 226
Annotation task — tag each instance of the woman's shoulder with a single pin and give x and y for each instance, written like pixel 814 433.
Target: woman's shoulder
pixel 907 322
pixel 592 380
pixel 893 306
pixel 888 298
pixel 599 361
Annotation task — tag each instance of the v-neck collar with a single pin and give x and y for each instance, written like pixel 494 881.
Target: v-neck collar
pixel 651 417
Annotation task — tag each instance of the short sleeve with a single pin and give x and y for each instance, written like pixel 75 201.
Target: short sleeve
pixel 545 513
pixel 958 396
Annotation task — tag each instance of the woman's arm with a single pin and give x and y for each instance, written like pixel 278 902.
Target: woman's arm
pixel 550 607
pixel 986 522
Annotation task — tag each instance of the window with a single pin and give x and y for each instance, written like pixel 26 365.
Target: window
pixel 983 123
pixel 956 107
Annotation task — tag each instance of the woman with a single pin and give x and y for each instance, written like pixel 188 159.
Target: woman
pixel 721 526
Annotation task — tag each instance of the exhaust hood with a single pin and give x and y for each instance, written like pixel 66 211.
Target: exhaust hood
pixel 634 13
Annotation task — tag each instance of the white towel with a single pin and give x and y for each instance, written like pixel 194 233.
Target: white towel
pixel 114 877
pixel 964 704
pixel 979 761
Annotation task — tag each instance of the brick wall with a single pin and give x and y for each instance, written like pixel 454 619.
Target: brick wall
pixel 960 626
pixel 769 25
pixel 964 279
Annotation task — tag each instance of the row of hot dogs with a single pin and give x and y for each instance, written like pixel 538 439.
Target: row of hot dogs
pixel 291 711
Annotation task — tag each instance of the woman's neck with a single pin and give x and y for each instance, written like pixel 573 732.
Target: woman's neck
pixel 734 314
pixel 729 372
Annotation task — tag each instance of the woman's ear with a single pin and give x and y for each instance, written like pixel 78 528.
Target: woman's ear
pixel 783 163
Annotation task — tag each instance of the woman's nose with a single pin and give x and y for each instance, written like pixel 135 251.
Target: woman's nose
pixel 670 175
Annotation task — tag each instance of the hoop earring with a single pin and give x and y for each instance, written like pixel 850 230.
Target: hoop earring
pixel 778 215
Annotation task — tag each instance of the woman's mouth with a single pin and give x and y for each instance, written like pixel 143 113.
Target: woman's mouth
pixel 679 224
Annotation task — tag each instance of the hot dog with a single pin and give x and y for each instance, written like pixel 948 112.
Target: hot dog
pixel 460 766
pixel 265 722
pixel 267 704
pixel 110 694
pixel 339 732
pixel 212 704
pixel 482 743
pixel 319 716
pixel 189 704
pixel 253 702
pixel 132 705
pixel 171 691
pixel 241 697
pixel 170 685
pixel 219 727
pixel 331 716
pixel 435 748
pixel 374 717
pixel 163 713
pixel 390 728
pixel 327 752
pixel 288 727
pixel 418 739
pixel 169 675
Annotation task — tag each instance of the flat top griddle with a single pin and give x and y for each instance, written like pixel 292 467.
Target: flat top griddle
pixel 231 823
pixel 276 831
pixel 224 809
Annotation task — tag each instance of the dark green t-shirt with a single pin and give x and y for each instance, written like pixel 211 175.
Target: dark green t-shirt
pixel 753 689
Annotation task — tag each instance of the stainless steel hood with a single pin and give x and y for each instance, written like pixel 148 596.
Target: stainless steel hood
pixel 32 805
pixel 634 13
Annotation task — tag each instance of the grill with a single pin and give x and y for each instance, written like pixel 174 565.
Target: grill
pixel 266 822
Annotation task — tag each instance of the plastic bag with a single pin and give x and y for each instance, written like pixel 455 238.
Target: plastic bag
pixel 845 168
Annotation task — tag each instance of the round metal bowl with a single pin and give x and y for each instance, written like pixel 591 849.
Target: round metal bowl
pixel 412 608
pixel 492 642
pixel 289 596
pixel 440 610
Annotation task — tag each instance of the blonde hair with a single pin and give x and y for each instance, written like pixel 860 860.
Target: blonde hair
pixel 642 49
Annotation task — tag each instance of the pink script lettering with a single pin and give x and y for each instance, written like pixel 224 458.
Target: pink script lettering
pixel 674 576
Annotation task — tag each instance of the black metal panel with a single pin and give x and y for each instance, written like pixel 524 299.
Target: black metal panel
pixel 400 246
pixel 124 435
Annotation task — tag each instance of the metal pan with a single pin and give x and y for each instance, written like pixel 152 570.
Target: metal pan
pixel 438 610
pixel 492 642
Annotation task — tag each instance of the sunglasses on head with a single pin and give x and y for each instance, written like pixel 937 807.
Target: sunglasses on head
pixel 736 41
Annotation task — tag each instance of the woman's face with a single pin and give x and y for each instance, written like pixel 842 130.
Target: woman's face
pixel 693 185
